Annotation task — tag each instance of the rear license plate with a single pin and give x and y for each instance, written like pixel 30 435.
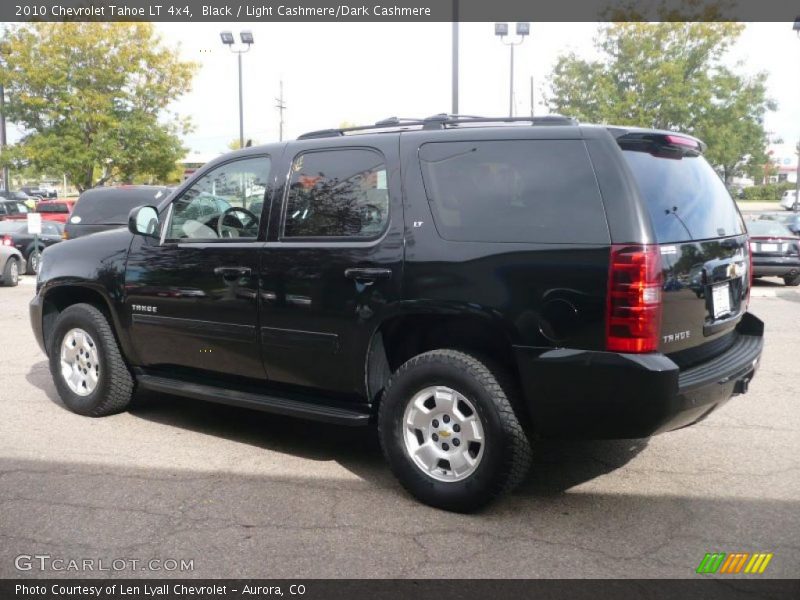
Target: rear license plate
pixel 721 299
pixel 769 247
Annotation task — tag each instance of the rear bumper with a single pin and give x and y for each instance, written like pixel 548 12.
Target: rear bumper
pixel 777 266
pixel 576 393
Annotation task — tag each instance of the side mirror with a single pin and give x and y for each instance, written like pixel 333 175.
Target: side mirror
pixel 143 220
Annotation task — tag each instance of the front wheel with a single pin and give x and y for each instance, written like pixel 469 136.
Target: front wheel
pixel 449 432
pixel 86 364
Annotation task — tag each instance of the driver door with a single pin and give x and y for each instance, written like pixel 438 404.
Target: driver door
pixel 192 296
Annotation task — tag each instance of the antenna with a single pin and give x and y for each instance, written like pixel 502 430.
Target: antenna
pixel 281 106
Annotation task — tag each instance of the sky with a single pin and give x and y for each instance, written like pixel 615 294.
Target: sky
pixel 364 72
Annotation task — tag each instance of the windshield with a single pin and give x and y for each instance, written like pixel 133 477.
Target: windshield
pixel 685 197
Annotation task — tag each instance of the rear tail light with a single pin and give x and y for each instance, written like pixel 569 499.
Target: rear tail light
pixel 633 301
pixel 7 241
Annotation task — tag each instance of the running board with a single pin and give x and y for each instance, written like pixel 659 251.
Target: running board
pixel 263 402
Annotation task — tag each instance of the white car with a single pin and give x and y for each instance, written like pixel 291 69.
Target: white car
pixel 789 199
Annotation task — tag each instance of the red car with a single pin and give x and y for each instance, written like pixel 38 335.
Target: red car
pixel 55 210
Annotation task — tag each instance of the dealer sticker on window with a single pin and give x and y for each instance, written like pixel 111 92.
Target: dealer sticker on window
pixel 721 299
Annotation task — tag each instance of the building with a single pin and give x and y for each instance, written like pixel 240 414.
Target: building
pixel 784 159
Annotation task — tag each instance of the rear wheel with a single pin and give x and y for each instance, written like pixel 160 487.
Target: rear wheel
pixel 11 273
pixel 792 280
pixel 449 432
pixel 34 259
pixel 86 364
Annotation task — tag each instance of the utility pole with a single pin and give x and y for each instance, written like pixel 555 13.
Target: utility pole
pixel 455 58
pixel 281 106
pixel 3 134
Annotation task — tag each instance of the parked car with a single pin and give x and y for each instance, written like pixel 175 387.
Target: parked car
pixel 28 200
pixel 11 265
pixel 13 209
pixel 15 234
pixel 463 283
pixel 789 200
pixel 33 192
pixel 55 210
pixel 791 220
pixel 776 251
pixel 104 208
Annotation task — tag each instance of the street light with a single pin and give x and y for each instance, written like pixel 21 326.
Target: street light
pixel 501 30
pixel 247 40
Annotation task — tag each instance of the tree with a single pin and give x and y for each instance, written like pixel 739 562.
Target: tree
pixel 669 76
pixel 92 99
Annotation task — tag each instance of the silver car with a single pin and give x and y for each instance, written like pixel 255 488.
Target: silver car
pixel 12 264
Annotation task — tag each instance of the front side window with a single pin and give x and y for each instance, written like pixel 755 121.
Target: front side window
pixel 337 194
pixel 225 203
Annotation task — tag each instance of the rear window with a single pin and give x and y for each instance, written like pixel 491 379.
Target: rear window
pixel 685 197
pixel 513 191
pixel 112 206
pixel 769 228
pixel 52 208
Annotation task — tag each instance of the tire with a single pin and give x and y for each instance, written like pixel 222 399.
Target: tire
pixel 33 261
pixel 11 273
pixel 500 462
pixel 106 386
pixel 792 280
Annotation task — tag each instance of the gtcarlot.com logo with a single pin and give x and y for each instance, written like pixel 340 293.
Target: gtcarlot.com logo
pixel 46 562
pixel 735 563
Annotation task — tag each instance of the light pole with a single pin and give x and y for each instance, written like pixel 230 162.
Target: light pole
pixel 247 40
pixel 501 30
pixel 796 28
pixel 3 134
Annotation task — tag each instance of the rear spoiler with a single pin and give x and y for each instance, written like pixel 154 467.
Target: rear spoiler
pixel 658 141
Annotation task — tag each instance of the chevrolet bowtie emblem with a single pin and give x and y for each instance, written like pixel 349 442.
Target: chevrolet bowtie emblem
pixel 444 433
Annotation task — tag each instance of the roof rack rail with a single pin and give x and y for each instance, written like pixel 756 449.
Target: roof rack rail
pixel 440 121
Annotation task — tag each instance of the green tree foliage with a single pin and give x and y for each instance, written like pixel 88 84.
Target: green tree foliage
pixel 669 76
pixel 92 100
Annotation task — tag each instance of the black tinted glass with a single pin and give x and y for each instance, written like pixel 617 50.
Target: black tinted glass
pixel 685 197
pixel 52 208
pixel 112 206
pixel 514 191
pixel 338 193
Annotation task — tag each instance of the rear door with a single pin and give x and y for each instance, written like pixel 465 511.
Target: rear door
pixel 703 243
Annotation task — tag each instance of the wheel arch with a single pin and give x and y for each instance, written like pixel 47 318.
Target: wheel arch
pixel 58 297
pixel 408 333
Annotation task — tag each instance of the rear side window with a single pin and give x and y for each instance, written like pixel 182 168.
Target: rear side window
pixel 337 194
pixel 513 191
pixel 112 206
pixel 685 197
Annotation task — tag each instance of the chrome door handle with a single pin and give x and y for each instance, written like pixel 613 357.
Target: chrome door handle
pixel 367 274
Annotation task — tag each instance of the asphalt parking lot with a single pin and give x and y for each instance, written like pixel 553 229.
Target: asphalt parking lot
pixel 245 494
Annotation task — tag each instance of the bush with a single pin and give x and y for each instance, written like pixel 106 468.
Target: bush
pixel 770 192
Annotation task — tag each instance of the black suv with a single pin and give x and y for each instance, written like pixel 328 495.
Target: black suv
pixel 465 283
